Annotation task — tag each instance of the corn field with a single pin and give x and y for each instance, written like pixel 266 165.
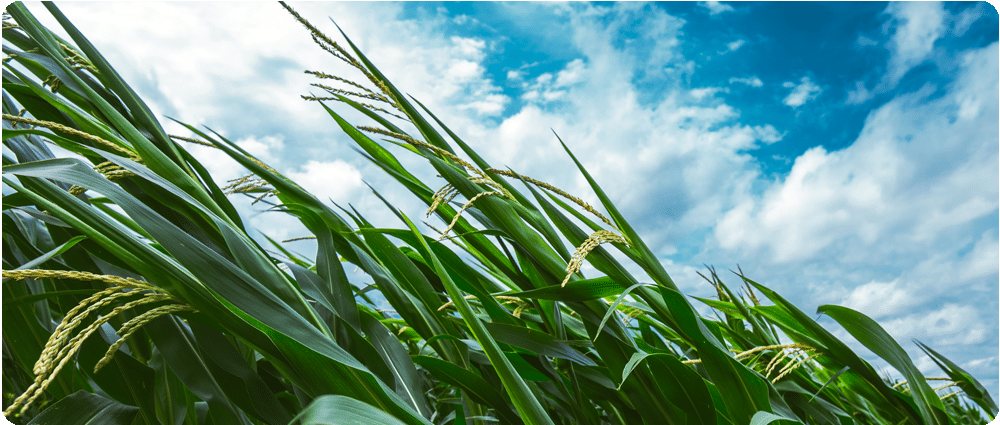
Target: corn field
pixel 133 293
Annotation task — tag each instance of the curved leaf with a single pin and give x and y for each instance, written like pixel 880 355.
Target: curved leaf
pixel 472 384
pixel 340 410
pixel 536 342
pixel 873 336
pixel 580 290
pixel 764 418
pixel 966 382
pixel 83 408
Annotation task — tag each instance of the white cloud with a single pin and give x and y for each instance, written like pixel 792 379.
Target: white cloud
pixel 488 105
pixel 859 94
pixel 573 73
pixel 880 299
pixel 917 26
pixel 926 365
pixel 464 70
pixel 767 134
pixel 735 45
pixel 266 149
pixel 951 324
pixel 750 81
pixel 336 180
pixel 469 47
pixel 801 93
pixel 983 260
pixel 988 363
pixel 701 93
pixel 866 42
pixel 911 168
pixel 547 87
pixel 715 8
pixel 964 19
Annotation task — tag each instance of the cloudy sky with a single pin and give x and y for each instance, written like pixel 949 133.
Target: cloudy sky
pixel 838 153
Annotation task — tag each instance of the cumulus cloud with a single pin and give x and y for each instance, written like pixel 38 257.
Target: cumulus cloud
pixel 735 45
pixel 469 47
pixel 767 134
pixel 750 81
pixel 949 325
pixel 801 93
pixel 549 88
pixel 915 28
pixel 715 8
pixel 911 168
pixel 880 299
pixel 329 180
pixel 983 260
pixel 918 25
pixel 704 92
pixel 859 94
pixel 985 363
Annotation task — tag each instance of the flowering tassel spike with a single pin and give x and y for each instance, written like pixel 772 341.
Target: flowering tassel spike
pixel 599 237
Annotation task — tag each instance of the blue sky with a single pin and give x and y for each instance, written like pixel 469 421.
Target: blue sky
pixel 840 153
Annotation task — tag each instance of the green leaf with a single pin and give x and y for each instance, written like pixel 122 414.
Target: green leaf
pixel 861 378
pixel 169 394
pixel 744 392
pixel 472 384
pixel 536 342
pixel 649 261
pixel 965 381
pixel 873 336
pixel 311 284
pixel 124 378
pixel 240 294
pixel 680 384
pixel 29 299
pixel 240 383
pixel 724 306
pixel 377 152
pixel 180 351
pixel 828 381
pixel 340 410
pixel 523 398
pixel 83 408
pixel 764 418
pixel 685 388
pixel 409 384
pixel 613 308
pixel 53 253
pixel 425 128
pixel 580 290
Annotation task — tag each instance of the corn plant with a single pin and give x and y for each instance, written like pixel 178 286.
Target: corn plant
pixel 133 293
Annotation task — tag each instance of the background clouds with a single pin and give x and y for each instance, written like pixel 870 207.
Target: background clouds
pixel 843 156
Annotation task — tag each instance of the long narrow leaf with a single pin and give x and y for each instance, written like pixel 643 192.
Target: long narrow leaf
pixel 523 398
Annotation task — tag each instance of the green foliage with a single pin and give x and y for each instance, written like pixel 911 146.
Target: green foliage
pixel 494 324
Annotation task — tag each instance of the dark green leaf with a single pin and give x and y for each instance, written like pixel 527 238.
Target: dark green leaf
pixel 83 408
